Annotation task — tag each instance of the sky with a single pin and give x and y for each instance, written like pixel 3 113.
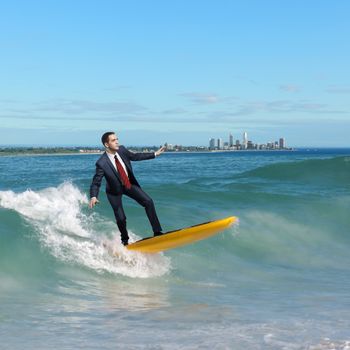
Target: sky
pixel 175 71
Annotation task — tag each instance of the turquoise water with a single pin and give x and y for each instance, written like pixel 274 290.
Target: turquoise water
pixel 278 280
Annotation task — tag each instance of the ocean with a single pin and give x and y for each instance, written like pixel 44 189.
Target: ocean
pixel 279 279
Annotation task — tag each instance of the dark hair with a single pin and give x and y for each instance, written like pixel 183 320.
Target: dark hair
pixel 105 137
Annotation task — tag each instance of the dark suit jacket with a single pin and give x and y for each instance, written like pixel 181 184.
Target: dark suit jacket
pixel 104 168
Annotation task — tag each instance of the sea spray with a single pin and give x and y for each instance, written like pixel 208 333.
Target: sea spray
pixel 68 234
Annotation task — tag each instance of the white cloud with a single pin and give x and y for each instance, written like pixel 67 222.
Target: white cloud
pixel 338 89
pixel 69 111
pixel 199 98
pixel 290 88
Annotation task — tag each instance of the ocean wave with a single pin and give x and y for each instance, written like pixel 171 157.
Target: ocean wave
pixel 334 171
pixel 57 216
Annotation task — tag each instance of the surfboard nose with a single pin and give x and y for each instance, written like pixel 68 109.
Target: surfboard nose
pixel 231 219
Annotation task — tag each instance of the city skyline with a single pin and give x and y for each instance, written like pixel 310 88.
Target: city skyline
pixel 245 143
pixel 174 72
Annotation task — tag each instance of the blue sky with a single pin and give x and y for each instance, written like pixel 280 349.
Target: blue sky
pixel 174 71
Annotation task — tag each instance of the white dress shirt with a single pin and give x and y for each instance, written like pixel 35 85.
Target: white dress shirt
pixel 111 157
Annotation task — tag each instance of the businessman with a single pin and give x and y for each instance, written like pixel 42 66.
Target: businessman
pixel 115 166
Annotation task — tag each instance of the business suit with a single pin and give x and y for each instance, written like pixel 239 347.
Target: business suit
pixel 115 188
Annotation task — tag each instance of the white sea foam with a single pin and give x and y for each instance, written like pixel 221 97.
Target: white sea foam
pixel 55 206
pixel 63 229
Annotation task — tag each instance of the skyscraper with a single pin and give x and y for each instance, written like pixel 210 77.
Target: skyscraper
pixel 230 143
pixel 282 142
pixel 211 143
pixel 220 145
pixel 245 140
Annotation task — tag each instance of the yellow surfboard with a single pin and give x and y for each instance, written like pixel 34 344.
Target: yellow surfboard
pixel 178 238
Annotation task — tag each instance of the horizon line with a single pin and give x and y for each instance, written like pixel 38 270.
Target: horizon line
pixel 100 147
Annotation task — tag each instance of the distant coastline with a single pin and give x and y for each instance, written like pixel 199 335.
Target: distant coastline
pixel 62 151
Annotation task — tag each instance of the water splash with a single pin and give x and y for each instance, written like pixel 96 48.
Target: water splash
pixel 68 234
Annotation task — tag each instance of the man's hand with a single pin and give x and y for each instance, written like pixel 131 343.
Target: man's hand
pixel 160 151
pixel 93 202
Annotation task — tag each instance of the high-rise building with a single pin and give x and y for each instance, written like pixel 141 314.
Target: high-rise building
pixel 230 143
pixel 219 144
pixel 282 142
pixel 245 140
pixel 212 144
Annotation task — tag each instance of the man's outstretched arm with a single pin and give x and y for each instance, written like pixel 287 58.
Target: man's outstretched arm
pixel 160 151
pixel 144 155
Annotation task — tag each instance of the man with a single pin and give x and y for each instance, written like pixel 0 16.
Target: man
pixel 115 166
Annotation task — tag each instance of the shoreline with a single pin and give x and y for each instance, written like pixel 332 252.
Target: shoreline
pixel 294 149
pixel 19 154
pixel 175 152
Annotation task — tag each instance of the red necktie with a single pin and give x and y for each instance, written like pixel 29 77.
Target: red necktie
pixel 122 173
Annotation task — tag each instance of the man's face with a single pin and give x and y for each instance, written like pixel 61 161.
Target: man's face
pixel 113 143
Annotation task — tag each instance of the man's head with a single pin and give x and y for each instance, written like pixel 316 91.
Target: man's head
pixel 110 141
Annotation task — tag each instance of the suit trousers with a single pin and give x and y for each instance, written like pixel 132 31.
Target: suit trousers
pixel 141 197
